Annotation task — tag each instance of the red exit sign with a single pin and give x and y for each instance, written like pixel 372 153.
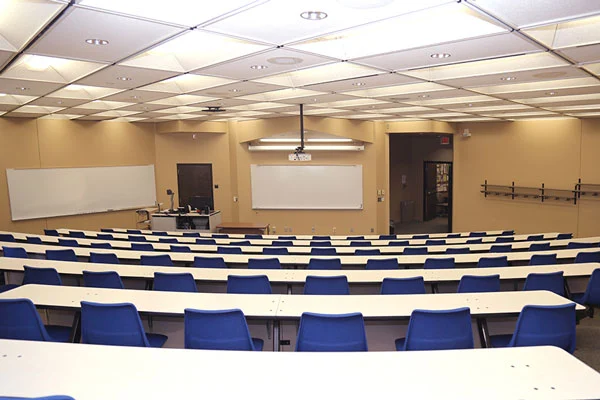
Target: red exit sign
pixel 445 140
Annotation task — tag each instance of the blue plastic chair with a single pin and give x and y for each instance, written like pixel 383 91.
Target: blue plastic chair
pixel 191 234
pixel 453 235
pixel 77 234
pixel 104 258
pixel 457 250
pixel 228 250
pixel 252 236
pixel 57 397
pixel 137 238
pixel 34 240
pixel 20 320
pixel 160 260
pixel 360 243
pixel 585 257
pixel 134 231
pixel 102 279
pixel 387 237
pixel 41 276
pixel 206 241
pixel 320 243
pixel 68 242
pixel 384 263
pixel 533 238
pixel 287 237
pixel 220 236
pixel 240 243
pixel 435 242
pixel 479 284
pixel 107 230
pixel 491 262
pixel 543 259
pixel 325 263
pixel 474 241
pixel 218 330
pixel 508 232
pixel 116 324
pixel 420 237
pixel 101 245
pixel 415 251
pixel 51 232
pixel 105 236
pixel 179 282
pixel 61 255
pixel 399 243
pixel 209 262
pixel 180 249
pixel 326 285
pixel 581 245
pixel 331 333
pixel 7 237
pixel 439 263
pixel 438 330
pixel 539 246
pixel 367 252
pixel 552 281
pixel 542 326
pixel 279 251
pixel 322 237
pixel 563 236
pixel 504 239
pixel 7 287
pixel 282 243
pixel 500 248
pixel 414 285
pixel 14 252
pixel 248 284
pixel 477 234
pixel 158 233
pixel 264 263
pixel 168 240
pixel 591 296
pixel 358 238
pixel 142 247
pixel 323 251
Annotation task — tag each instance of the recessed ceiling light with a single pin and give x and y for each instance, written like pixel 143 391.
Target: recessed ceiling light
pixel 285 60
pixel 135 97
pixel 424 96
pixel 234 90
pixel 22 88
pixel 2 94
pixel 470 105
pixel 97 42
pixel 439 55
pixel 508 78
pixel 314 15
pixel 123 78
pixel 59 102
pixel 314 99
pixel 358 84
pixel 551 93
pixel 364 4
pixel 258 66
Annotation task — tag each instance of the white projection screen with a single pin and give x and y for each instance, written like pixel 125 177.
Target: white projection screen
pixel 305 187
pixel 52 192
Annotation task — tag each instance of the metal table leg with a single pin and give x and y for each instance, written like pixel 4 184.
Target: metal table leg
pixel 484 335
pixel 276 338
pixel 76 328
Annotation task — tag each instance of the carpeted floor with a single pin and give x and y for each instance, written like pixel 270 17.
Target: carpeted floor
pixel 588 341
pixel 436 225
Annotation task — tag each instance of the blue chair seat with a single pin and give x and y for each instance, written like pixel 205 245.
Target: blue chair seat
pixel 258 344
pixel 156 339
pixel 59 333
pixel 500 340
pixel 7 287
pixel 577 297
pixel 400 344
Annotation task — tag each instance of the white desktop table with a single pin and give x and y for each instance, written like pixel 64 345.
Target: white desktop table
pixel 89 372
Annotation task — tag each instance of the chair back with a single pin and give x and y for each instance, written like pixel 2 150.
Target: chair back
pixel 504 239
pixel 326 285
pixel 248 284
pixel 51 232
pixel 532 238
pixel 116 324
pixel 325 263
pixel 264 263
pixel 292 237
pixel 179 282
pixel 321 237
pixel 439 263
pixel 14 252
pixel 477 234
pixel 157 261
pixel 206 241
pixel 209 262
pixel 134 231
pixel 420 236
pixel 367 252
pixel 327 332
pixel 104 258
pixel 102 279
pixel 34 240
pixel 137 238
pixel 552 281
pixel 252 236
pixel 543 259
pixel 228 250
pixel 360 243
pixel 158 233
pixel 479 283
pixel 191 234
pixel 282 243
pixel 216 330
pixel 399 243
pixel 41 276
pixel 414 285
pixel 180 249
pixel 585 257
pixel 77 234
pixel 68 242
pixel 592 291
pixel 435 242
pixel 359 237
pixel 452 235
pixel 539 246
pixel 61 255
pixel 101 245
pixel 500 248
pixel 142 247
pixel 474 241
pixel 439 330
pixel 546 326
pixel 220 236
pixel 241 243
pixel 491 262
pixel 581 245
pixel 275 251
pixel 415 251
pixel 320 243
pixel 384 263
pixel 457 250
pixel 323 251
pixel 7 237
pixel 387 237
pixel 563 236
pixel 20 320
pixel 167 240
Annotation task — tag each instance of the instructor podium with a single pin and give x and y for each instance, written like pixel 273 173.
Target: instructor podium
pixel 194 222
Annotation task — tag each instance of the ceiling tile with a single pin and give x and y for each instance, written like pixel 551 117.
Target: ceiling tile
pixel 324 73
pixel 568 34
pixel 593 68
pixel 115 113
pixel 400 90
pixel 181 110
pixel 537 86
pixel 192 50
pixel 67 38
pixel 224 103
pixel 121 77
pixel 560 99
pixel 104 105
pixel 283 94
pixel 519 13
pixel 552 93
pixel 362 83
pixel 436 25
pixel 238 89
pixel 137 96
pixel 582 54
pixel 5 56
pixel 181 100
pixel 145 107
pixel 84 92
pixel 28 88
pixel 451 53
pixel 77 111
pixel 49 69
pixel 183 12
pixel 15 99
pixel 38 109
pixel 58 102
pixel 281 22
pixel 265 105
pixel 95 118
pixel 187 83
pixel 317 99
pixel 61 116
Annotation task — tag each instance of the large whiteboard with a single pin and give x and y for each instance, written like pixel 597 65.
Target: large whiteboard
pixel 307 186
pixel 51 192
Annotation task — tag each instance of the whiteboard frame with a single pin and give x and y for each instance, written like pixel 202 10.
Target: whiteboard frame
pixel 341 208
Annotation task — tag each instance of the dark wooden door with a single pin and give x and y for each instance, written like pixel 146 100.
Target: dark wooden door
pixel 429 191
pixel 195 185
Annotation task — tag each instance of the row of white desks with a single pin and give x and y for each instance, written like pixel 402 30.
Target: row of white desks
pixel 89 372
pixel 300 250
pixel 290 307
pixel 63 231
pixel 303 260
pixel 291 277
pixel 298 242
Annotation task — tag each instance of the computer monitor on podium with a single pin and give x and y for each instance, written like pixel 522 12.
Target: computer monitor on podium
pixel 201 203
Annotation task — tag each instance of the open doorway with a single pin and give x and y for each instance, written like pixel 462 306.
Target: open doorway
pixel 407 199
